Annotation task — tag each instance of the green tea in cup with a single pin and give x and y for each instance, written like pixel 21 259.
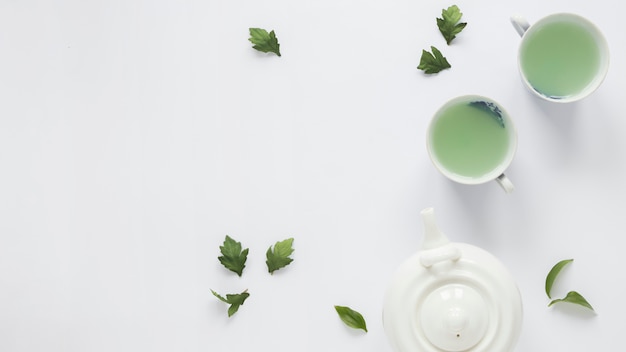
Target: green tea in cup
pixel 472 140
pixel 563 57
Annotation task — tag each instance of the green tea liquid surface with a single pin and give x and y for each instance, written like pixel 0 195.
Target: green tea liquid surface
pixel 469 141
pixel 560 59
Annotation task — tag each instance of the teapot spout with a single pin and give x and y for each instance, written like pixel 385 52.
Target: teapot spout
pixel 433 237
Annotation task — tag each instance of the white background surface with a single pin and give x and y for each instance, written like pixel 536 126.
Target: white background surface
pixel 135 135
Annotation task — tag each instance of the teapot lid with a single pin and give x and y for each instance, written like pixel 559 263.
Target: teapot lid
pixel 451 297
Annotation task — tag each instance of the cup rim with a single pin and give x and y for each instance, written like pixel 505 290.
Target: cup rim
pixel 493 174
pixel 604 52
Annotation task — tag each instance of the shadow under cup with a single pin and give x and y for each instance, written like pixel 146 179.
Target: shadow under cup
pixel 472 140
pixel 563 57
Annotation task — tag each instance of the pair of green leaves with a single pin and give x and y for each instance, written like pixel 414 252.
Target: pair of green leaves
pixel 234 257
pixel 449 26
pixel 264 41
pixel 572 296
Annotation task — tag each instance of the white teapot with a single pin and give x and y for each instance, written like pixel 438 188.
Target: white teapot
pixel 451 297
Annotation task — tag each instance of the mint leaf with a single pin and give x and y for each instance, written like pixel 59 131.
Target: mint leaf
pixel 430 63
pixel 233 258
pixel 554 272
pixel 264 41
pixel 235 300
pixel 573 297
pixel 351 317
pixel 448 25
pixel 278 257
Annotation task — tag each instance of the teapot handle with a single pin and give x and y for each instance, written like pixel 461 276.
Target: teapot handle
pixel 444 253
pixel 433 236
pixel 436 247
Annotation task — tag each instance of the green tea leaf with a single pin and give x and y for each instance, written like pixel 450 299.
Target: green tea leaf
pixel 235 300
pixel 448 24
pixel 233 258
pixel 264 41
pixel 554 272
pixel 278 257
pixel 430 63
pixel 573 297
pixel 492 109
pixel 351 318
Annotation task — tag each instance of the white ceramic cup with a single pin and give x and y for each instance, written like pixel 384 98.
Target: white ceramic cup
pixel 465 142
pixel 562 69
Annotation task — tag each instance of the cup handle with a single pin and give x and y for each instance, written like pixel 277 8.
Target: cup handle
pixel 520 24
pixel 505 183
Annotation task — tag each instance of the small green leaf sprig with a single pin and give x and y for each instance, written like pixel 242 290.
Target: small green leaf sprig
pixel 234 258
pixel 235 300
pixel 449 26
pixel 572 296
pixel 264 41
pixel 279 256
pixel 433 63
pixel 351 317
